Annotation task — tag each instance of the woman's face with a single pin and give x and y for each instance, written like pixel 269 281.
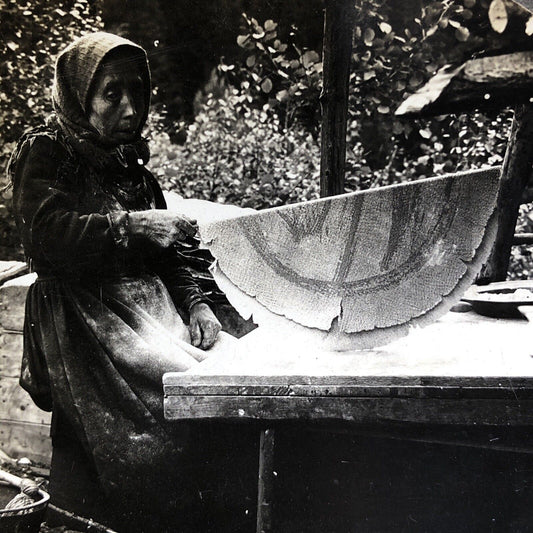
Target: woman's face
pixel 117 106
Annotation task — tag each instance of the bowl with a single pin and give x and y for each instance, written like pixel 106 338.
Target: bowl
pixel 25 519
pixel 500 299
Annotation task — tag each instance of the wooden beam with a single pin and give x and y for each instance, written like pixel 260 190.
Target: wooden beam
pixel 515 175
pixel 483 83
pixel 337 51
pixel 265 487
pixel 353 409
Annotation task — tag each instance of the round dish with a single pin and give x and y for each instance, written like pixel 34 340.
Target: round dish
pixel 501 299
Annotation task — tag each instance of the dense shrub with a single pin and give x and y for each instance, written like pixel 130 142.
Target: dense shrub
pixel 245 159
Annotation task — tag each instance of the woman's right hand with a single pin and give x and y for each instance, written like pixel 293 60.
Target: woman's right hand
pixel 161 227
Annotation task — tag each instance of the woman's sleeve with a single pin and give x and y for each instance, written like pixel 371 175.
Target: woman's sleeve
pixel 46 213
pixel 180 283
pixel 171 267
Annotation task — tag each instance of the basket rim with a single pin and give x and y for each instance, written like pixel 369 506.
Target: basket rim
pixel 27 509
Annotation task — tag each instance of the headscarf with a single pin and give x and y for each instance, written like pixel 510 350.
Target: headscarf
pixel 75 72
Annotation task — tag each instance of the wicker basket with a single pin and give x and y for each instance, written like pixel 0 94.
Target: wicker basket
pixel 26 519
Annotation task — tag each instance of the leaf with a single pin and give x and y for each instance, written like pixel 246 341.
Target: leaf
pixel 242 39
pixel 415 80
pixel 270 25
pixel 282 96
pixel 529 26
pixel 431 31
pixel 425 133
pixel 462 34
pixel 369 36
pixel 12 45
pixel 259 34
pixel 250 61
pixel 266 86
pixel 369 74
pixel 498 16
pixel 309 58
pixel 385 27
pixel 400 85
pixel 383 109
pixel 469 3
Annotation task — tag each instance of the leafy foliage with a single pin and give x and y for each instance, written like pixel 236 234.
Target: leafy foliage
pixel 280 75
pixel 277 83
pixel 32 35
pixel 243 158
pixel 254 137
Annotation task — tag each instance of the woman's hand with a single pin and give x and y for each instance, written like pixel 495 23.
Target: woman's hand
pixel 203 326
pixel 161 227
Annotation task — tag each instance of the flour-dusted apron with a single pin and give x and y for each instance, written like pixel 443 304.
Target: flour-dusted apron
pixel 106 347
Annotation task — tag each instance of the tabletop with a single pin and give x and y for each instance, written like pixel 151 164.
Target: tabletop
pixel 462 369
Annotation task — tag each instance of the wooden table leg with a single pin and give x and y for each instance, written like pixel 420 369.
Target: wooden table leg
pixel 265 487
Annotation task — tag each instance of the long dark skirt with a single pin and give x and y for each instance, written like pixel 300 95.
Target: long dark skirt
pixel 219 472
pixel 101 351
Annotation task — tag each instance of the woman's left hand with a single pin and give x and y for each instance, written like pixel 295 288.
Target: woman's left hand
pixel 203 326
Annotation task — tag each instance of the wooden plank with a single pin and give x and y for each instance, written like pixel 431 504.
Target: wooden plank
pixel 24 439
pixel 11 269
pixel 16 404
pixel 481 412
pixel 355 391
pixel 337 51
pixel 266 480
pixel 175 383
pixel 482 83
pixel 12 302
pixel 515 176
pixel 11 345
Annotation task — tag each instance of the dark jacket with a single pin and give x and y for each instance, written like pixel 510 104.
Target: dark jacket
pixel 74 224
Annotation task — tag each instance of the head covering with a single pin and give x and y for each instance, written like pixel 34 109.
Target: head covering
pixel 75 71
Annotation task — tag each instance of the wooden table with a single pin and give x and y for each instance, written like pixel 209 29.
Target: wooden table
pixel 463 371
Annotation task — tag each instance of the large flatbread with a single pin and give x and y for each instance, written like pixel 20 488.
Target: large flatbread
pixel 359 268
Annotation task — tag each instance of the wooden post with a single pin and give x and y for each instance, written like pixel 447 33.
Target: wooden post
pixel 337 52
pixel 265 488
pixel 515 175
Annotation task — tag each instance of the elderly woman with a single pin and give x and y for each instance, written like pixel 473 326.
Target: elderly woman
pixel 102 322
